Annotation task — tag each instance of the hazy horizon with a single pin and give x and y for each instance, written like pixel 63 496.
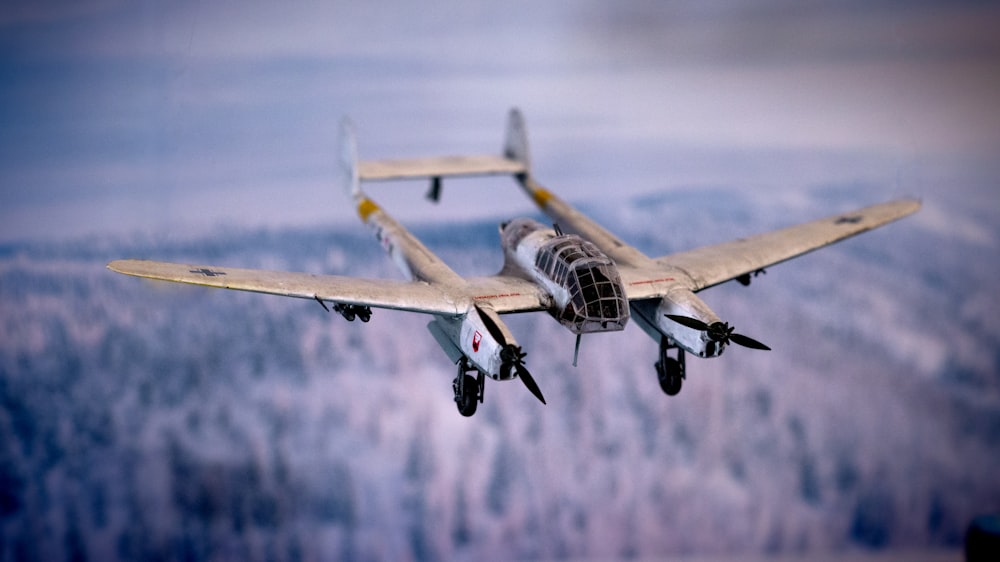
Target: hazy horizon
pixel 118 116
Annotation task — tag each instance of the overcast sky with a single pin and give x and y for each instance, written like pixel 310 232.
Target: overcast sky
pixel 117 116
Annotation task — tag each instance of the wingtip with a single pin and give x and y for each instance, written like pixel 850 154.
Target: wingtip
pixel 913 204
pixel 125 266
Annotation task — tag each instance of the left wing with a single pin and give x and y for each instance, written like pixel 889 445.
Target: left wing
pixel 503 293
pixel 711 265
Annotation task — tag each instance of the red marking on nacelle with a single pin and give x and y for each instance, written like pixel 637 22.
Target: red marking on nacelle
pixel 476 338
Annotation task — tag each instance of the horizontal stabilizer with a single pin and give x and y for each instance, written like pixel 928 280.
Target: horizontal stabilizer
pixel 436 167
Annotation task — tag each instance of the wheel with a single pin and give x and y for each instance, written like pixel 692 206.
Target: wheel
pixel 668 371
pixel 468 401
pixel 365 313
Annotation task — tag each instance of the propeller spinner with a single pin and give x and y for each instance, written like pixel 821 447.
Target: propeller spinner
pixel 719 332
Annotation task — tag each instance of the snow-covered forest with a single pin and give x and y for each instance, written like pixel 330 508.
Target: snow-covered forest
pixel 143 420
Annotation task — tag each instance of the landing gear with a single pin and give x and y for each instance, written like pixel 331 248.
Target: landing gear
pixel 670 371
pixel 468 389
pixel 352 311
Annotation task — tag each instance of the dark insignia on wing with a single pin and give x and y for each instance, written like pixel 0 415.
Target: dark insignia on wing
pixel 207 272
pixel 850 219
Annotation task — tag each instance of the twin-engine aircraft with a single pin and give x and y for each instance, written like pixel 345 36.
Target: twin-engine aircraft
pixel 579 273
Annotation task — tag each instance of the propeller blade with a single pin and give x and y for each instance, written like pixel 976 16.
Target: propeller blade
pixel 745 341
pixel 718 332
pixel 529 381
pixel 689 322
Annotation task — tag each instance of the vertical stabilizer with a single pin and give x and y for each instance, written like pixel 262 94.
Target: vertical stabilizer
pixel 516 144
pixel 349 160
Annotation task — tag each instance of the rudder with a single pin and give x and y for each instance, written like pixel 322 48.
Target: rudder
pixel 516 142
pixel 349 160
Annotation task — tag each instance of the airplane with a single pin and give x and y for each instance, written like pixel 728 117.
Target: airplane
pixel 583 276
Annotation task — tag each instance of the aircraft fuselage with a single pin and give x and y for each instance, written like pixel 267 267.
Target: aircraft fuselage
pixel 586 289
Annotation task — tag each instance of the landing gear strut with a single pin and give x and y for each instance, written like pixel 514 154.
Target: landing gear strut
pixel 468 389
pixel 670 371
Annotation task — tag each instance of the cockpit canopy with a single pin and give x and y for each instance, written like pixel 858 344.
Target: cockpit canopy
pixel 597 300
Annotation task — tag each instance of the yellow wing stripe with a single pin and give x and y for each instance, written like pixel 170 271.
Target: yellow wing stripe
pixel 365 208
pixel 541 197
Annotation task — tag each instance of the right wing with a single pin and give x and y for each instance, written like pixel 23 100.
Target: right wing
pixel 503 293
pixel 711 265
pixel 708 266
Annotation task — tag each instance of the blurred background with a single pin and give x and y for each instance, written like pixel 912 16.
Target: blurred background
pixel 139 420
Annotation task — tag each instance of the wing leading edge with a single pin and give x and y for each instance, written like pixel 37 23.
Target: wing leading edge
pixel 503 293
pixel 712 265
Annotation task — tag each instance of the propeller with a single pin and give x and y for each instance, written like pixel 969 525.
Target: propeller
pixel 719 332
pixel 512 355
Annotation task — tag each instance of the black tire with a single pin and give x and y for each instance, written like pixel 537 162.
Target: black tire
pixel 469 401
pixel 669 374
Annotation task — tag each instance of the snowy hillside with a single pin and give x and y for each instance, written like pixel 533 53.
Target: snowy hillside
pixel 143 420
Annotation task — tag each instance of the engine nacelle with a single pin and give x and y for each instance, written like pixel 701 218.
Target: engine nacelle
pixel 480 338
pixel 652 317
